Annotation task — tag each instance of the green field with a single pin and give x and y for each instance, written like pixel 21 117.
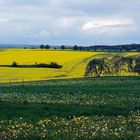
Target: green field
pixel 90 108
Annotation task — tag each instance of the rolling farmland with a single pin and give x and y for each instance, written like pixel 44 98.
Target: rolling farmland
pixel 59 103
pixel 73 62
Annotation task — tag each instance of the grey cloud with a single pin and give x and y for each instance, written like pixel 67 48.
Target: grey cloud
pixel 61 21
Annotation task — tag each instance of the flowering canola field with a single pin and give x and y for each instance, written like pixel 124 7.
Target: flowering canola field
pixel 73 63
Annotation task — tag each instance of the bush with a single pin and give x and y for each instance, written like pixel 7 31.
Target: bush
pixel 51 65
pixel 14 64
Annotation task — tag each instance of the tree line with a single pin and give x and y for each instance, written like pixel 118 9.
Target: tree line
pixel 62 47
pixel 113 66
pixel 44 46
pixel 116 48
pixel 126 47
pixel 36 65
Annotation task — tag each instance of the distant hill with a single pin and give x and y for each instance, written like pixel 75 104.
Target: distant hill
pixel 24 46
pixel 17 46
pixel 125 47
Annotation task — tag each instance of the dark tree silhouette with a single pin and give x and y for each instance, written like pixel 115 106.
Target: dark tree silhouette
pixel 47 46
pixel 42 46
pixel 14 64
pixel 75 47
pixel 63 47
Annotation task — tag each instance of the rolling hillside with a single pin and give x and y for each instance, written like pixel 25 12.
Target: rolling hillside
pixel 73 62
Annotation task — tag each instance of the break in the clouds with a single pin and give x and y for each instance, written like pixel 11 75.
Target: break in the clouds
pixel 83 22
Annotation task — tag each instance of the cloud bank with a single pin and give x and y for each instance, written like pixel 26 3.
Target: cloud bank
pixel 83 22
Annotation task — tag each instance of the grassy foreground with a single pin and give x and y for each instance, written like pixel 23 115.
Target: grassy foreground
pixel 100 109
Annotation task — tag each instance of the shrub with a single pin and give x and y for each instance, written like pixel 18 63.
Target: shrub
pixel 14 64
pixel 51 65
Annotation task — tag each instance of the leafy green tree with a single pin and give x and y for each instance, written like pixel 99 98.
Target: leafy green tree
pixel 47 46
pixel 14 64
pixel 80 48
pixel 42 46
pixel 63 47
pixel 75 47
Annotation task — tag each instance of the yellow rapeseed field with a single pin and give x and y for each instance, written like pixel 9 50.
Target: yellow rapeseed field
pixel 74 64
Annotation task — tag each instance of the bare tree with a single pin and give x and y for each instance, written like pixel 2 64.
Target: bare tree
pixel 130 63
pixel 117 65
pixel 95 67
pixel 108 67
pixel 113 66
pixel 137 66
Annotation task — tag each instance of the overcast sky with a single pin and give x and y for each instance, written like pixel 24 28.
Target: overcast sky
pixel 82 22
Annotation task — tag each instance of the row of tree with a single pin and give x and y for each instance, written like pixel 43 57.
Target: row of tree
pixel 44 46
pixel 120 48
pixel 36 65
pixel 113 66
pixel 126 47
pixel 75 47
